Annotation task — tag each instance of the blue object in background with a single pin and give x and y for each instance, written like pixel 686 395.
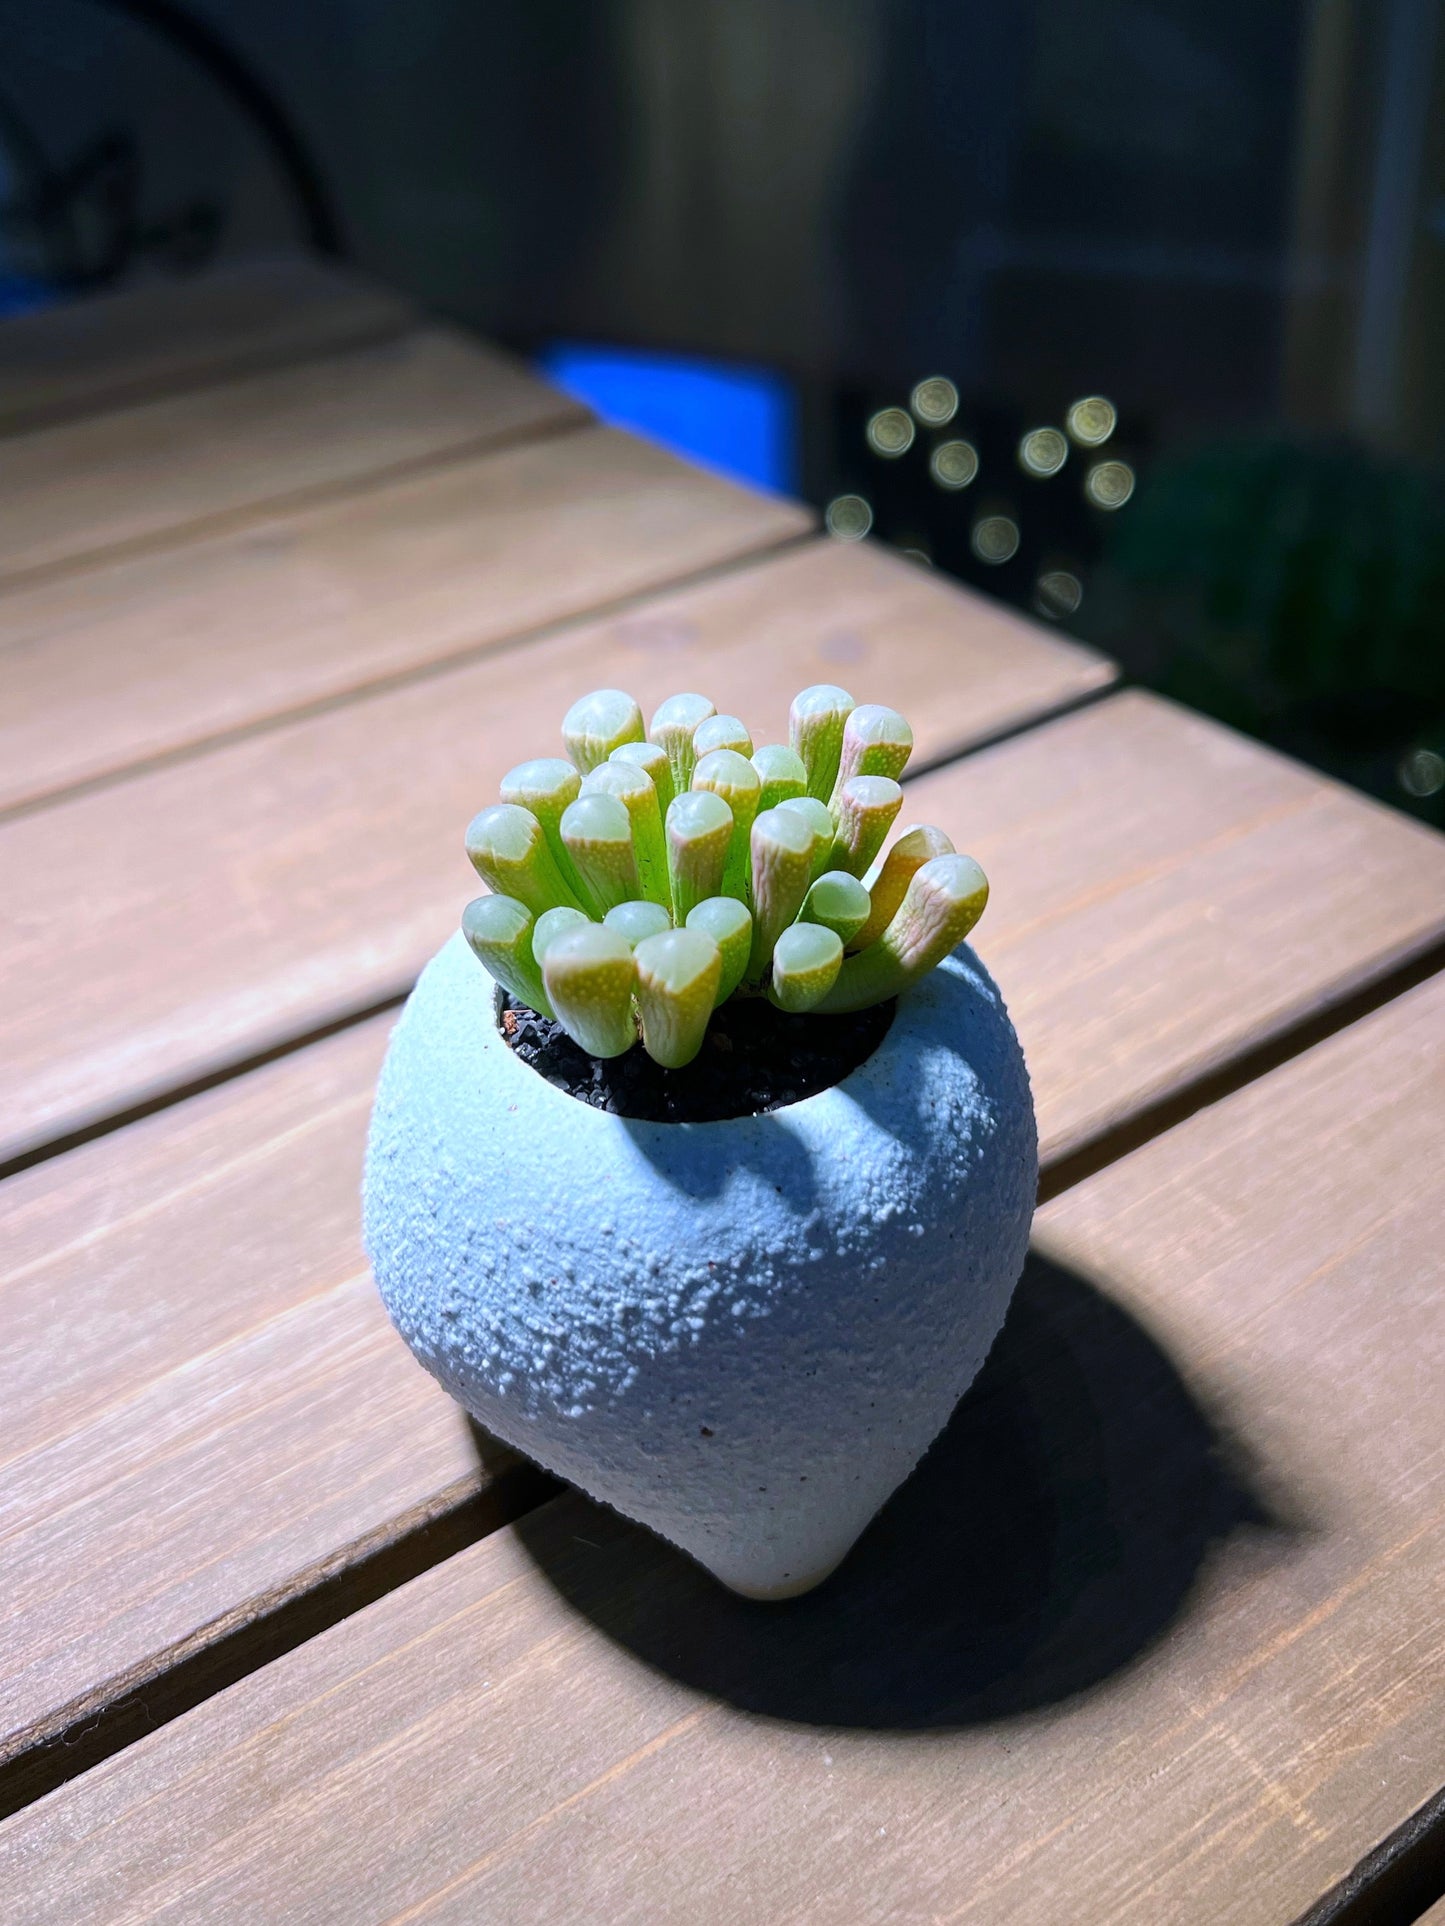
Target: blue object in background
pixel 740 420
pixel 19 294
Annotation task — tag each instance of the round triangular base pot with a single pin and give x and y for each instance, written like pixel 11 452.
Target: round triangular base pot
pixel 743 1334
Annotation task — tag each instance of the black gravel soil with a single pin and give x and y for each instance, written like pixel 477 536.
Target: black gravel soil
pixel 754 1058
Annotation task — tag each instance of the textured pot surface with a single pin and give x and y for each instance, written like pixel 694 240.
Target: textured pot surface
pixel 743 1334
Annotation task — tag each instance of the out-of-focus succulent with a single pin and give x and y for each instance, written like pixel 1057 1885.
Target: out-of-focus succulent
pixel 650 876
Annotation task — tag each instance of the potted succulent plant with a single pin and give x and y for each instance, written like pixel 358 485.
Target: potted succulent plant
pixel 710 1190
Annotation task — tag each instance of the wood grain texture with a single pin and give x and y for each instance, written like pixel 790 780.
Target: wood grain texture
pixel 1164 892
pixel 1435 1916
pixel 1167 895
pixel 102 669
pixel 74 492
pixel 87 355
pixel 1153 1639
pixel 205 1410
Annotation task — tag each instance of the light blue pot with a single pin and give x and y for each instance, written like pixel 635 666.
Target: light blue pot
pixel 744 1334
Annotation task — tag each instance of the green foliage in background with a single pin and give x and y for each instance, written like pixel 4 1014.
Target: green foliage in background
pixel 1299 594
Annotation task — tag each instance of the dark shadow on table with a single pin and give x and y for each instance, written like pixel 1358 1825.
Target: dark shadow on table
pixel 1051 1535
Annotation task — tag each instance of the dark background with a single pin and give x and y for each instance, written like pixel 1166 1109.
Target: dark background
pixel 1226 216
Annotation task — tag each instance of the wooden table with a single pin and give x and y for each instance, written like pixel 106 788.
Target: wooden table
pixel 288 577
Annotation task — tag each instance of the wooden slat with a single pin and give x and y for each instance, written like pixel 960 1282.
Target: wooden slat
pixel 1165 893
pixel 1435 1916
pixel 73 492
pixel 82 356
pixel 1152 1637
pixel 1167 896
pixel 131 660
pixel 205 1409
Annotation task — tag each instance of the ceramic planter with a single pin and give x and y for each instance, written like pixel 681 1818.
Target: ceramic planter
pixel 743 1334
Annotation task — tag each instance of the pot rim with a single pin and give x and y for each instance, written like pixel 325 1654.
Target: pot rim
pixel 913 1020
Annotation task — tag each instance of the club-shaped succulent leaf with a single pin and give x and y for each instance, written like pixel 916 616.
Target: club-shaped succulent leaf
pixel 806 961
pixel 819 819
pixel 839 902
pixel 499 929
pixel 647 755
pixel 876 742
pixel 598 833
pixel 672 730
pixel 509 851
pixel 638 920
pixel 889 878
pixel 598 724
pixel 546 786
pixel 730 925
pixel 699 835
pixel 550 925
pixel 590 977
pixel 637 793
pixel 781 773
pixel 652 877
pixel 815 730
pixel 677 982
pixel 864 812
pixel 782 868
pixel 732 777
pixel 943 901
pixel 722 732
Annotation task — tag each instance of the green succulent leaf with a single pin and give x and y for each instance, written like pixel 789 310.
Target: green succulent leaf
pixel 721 732
pixel 590 977
pixel 508 849
pixel 598 833
pixel 699 836
pixel 637 793
pixel 865 811
pixel 815 730
pixel 647 755
pixel 499 929
pixel 677 982
pixel 672 730
pixel 730 925
pixel 888 880
pixel 731 776
pixel 598 724
pixel 550 925
pixel 876 742
pixel 806 962
pixel 819 819
pixel 781 773
pixel 839 902
pixel 638 920
pixel 944 899
pixel 546 786
pixel 782 868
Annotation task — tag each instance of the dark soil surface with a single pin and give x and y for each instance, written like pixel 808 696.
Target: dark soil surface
pixel 754 1058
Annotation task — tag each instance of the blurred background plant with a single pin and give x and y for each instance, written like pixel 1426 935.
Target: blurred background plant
pixel 877 252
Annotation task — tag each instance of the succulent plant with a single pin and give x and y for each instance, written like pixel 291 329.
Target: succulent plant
pixel 648 877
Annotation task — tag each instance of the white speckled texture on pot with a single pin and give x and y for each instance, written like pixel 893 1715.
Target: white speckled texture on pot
pixel 744 1334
